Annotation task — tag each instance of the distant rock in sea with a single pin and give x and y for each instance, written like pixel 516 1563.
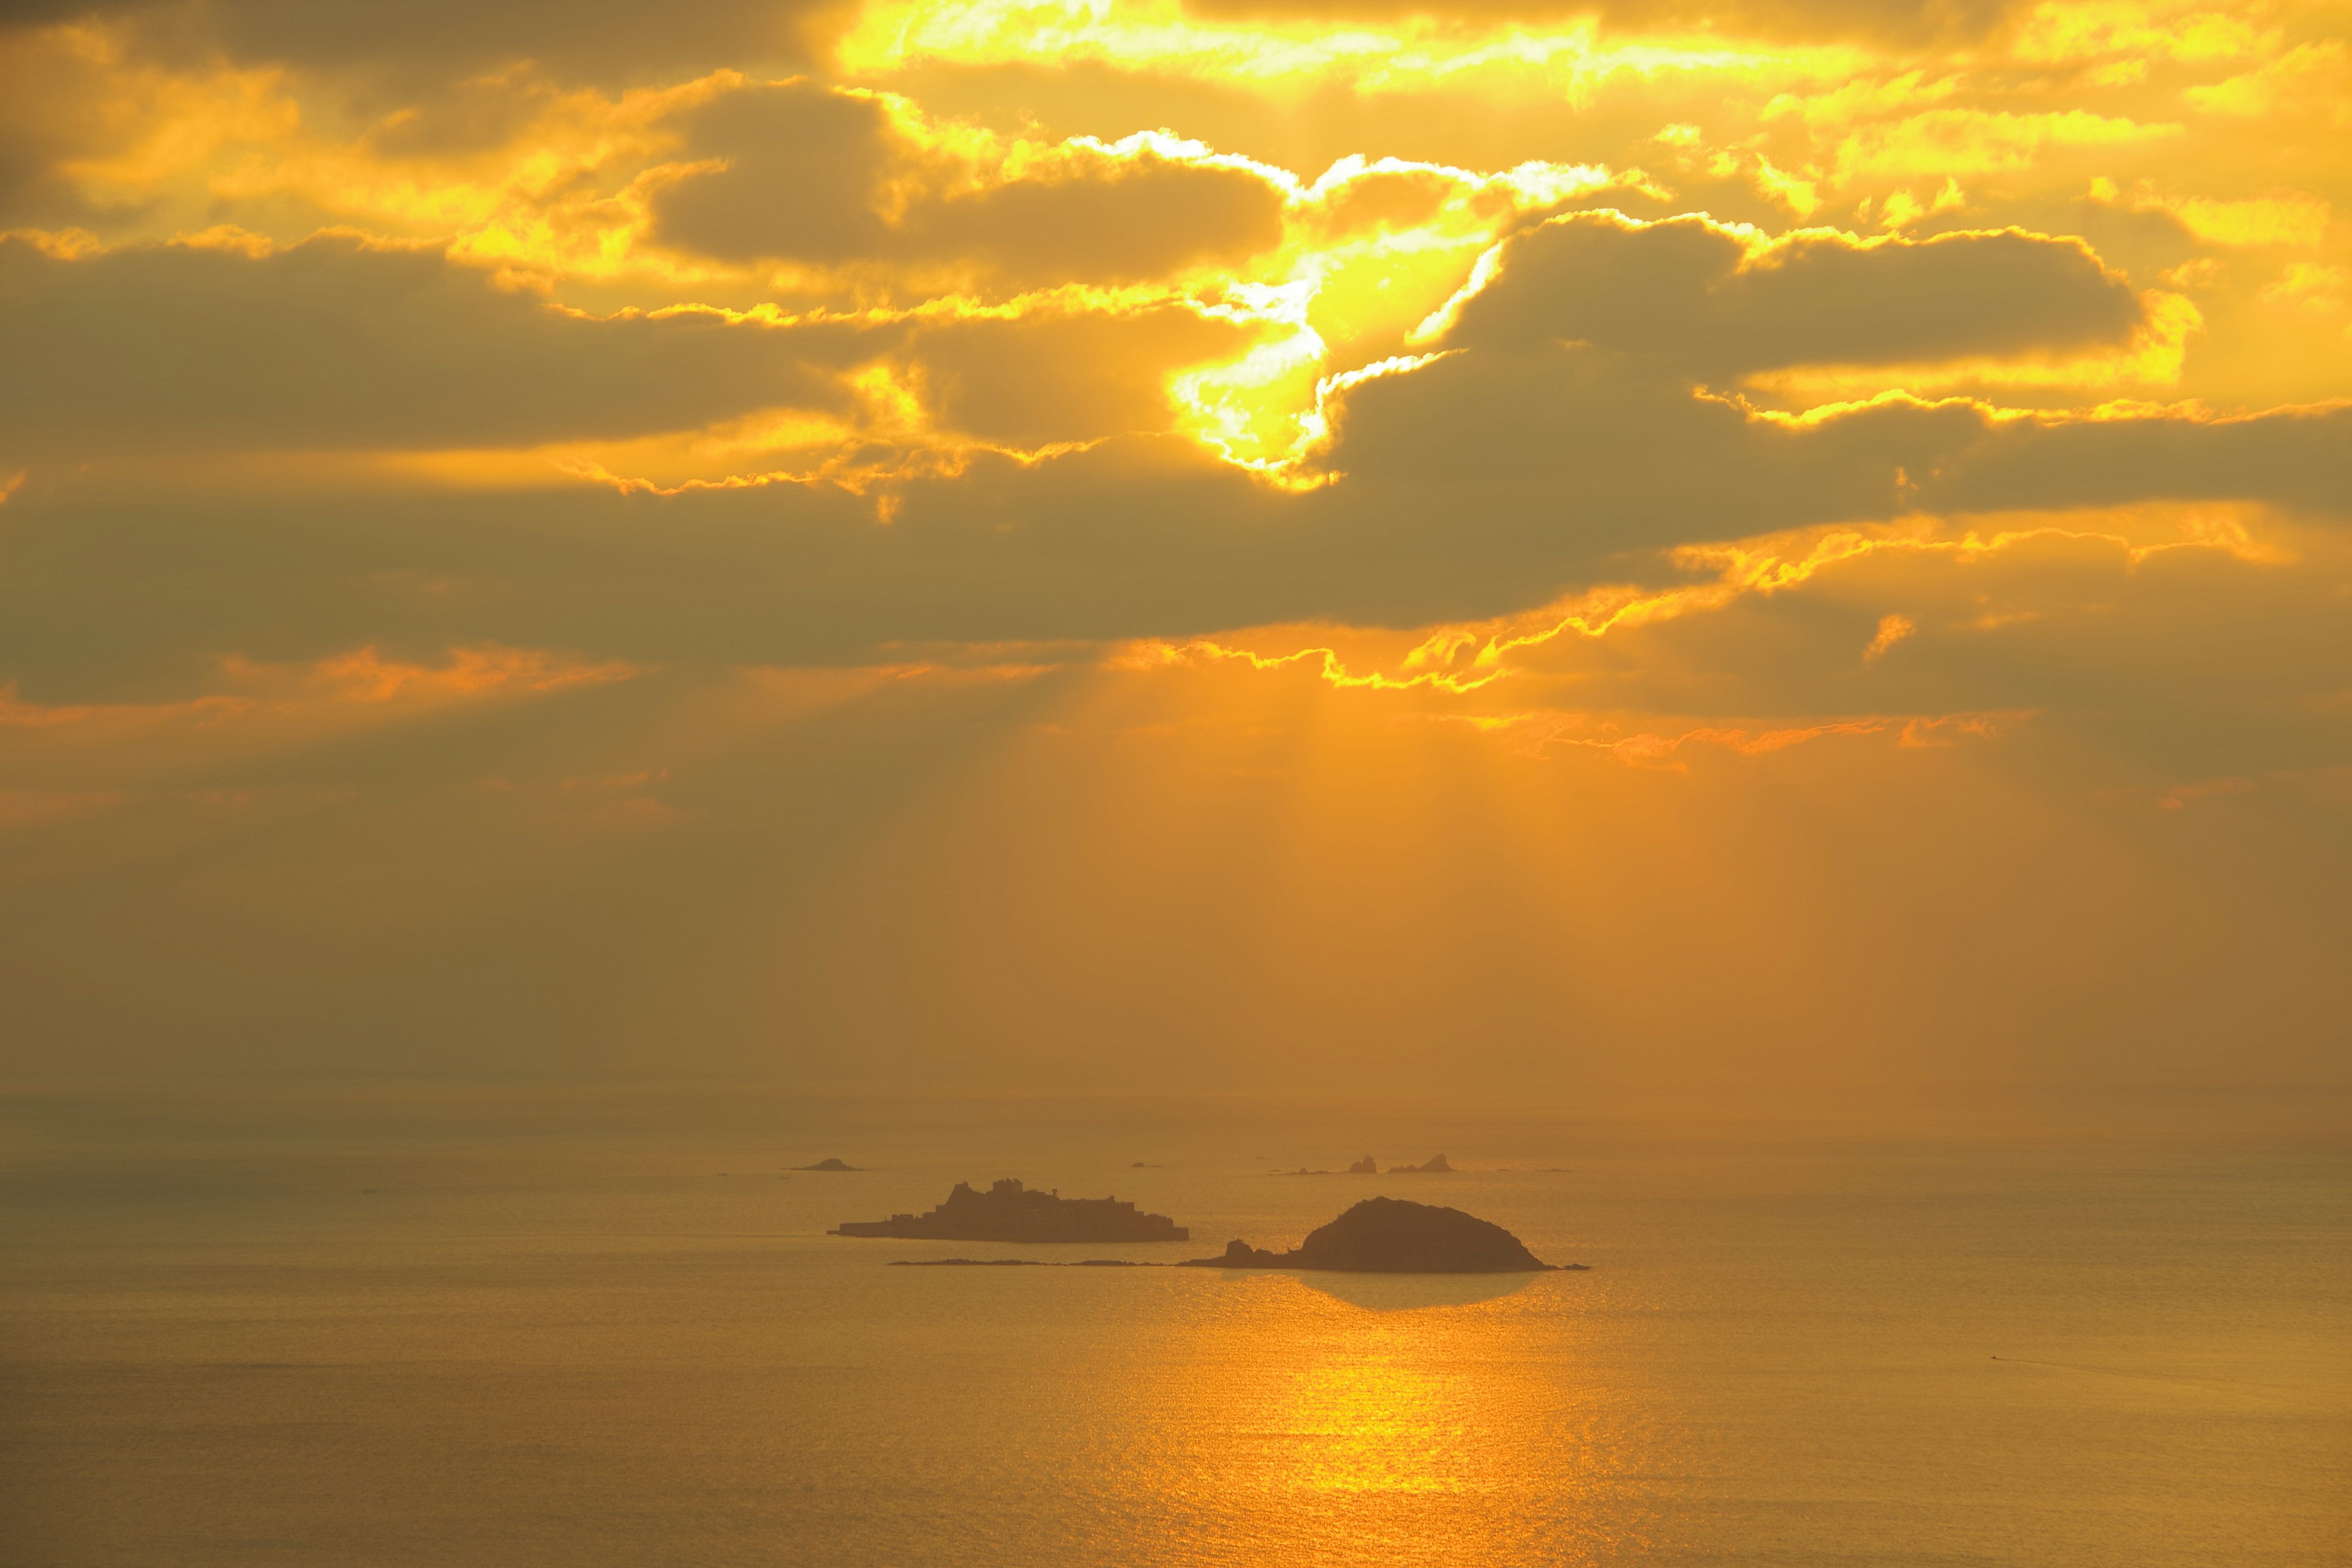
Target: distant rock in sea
pixel 1391 1236
pixel 1367 1166
pixel 826 1166
pixel 1009 1211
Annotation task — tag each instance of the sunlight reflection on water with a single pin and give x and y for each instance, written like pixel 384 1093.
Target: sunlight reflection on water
pixel 1385 1419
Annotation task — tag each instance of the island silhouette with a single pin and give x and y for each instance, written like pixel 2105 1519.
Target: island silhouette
pixel 1393 1235
pixel 1011 1212
pixel 826 1166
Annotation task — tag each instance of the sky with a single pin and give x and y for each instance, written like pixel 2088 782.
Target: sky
pixel 1763 548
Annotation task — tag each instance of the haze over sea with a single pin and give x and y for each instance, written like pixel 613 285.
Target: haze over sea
pixel 485 1328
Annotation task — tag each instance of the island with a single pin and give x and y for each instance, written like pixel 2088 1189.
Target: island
pixel 1392 1235
pixel 826 1166
pixel 1436 1167
pixel 1009 1211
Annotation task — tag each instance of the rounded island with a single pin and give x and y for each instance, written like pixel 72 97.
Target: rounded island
pixel 1391 1236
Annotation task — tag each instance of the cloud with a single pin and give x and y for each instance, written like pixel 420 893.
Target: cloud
pixel 1508 471
pixel 194 355
pixel 1717 301
pixel 441 40
pixel 1943 144
pixel 52 109
pixel 338 342
pixel 1908 21
pixel 2192 653
pixel 1553 441
pixel 1051 375
pixel 1113 214
pixel 800 172
pixel 1134 537
pixel 86 129
pixel 2299 458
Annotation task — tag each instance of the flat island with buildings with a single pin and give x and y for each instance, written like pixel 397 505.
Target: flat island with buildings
pixel 1011 1212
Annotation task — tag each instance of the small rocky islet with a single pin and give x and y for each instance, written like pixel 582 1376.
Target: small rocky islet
pixel 1367 1166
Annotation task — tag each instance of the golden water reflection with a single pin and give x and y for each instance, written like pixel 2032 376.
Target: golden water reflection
pixel 1398 1420
pixel 1409 1292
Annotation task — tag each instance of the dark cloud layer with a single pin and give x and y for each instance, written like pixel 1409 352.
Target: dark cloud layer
pixel 1137 537
pixel 801 174
pixel 2298 457
pixel 336 343
pixel 2192 656
pixel 604 41
pixel 1688 292
pixel 1506 471
pixel 1109 220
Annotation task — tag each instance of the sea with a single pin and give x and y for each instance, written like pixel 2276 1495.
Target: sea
pixel 336 1325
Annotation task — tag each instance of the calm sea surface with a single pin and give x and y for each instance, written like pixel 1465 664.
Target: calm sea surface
pixel 490 1329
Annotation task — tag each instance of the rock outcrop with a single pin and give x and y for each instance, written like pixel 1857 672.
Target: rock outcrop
pixel 1391 1236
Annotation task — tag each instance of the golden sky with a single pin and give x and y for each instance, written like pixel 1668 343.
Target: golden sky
pixel 1541 548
